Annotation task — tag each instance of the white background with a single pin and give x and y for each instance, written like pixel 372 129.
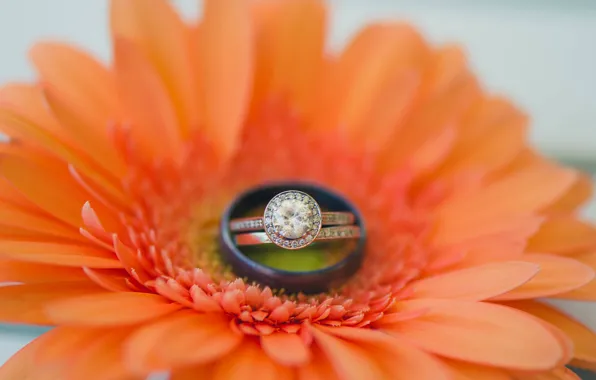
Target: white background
pixel 540 52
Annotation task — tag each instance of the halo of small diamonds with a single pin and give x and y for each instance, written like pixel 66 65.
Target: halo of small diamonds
pixel 292 219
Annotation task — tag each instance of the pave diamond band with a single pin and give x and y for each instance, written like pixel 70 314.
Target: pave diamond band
pixel 293 219
pixel 327 233
pixel 256 223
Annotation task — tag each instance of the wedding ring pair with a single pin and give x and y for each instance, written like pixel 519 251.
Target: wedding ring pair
pixel 293 220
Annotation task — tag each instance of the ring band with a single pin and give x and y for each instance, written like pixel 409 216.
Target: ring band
pixel 293 220
pixel 327 233
pixel 255 223
pixel 305 282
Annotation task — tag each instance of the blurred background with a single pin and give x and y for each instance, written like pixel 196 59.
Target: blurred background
pixel 541 53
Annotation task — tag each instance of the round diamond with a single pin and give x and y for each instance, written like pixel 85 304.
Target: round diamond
pixel 293 218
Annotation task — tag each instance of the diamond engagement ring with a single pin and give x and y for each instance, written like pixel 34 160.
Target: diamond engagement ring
pixel 293 220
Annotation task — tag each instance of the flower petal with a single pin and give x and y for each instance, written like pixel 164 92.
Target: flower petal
pixel 154 124
pixel 28 100
pixel 535 188
pixel 286 349
pixel 109 309
pixel 246 361
pixel 588 291
pixel 480 333
pixel 583 338
pixel 447 91
pixel 82 94
pixel 201 372
pixel 185 338
pixel 397 357
pixel 563 235
pixel 557 275
pixel 38 224
pixel 295 52
pixel 489 138
pixel 34 131
pixel 33 273
pixel 49 187
pixel 355 83
pixel 577 195
pixel 513 228
pixel 318 368
pixel 468 371
pixel 26 303
pixel 226 69
pixel 102 357
pixel 158 30
pixel 58 254
pixel 349 360
pixel 22 365
pixel 476 283
pixel 557 374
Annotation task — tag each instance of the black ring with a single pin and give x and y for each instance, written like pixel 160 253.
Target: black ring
pixel 308 282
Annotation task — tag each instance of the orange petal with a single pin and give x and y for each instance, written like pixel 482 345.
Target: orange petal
pixel 201 372
pixel 388 111
pixel 318 368
pixel 25 303
pixel 557 374
pixel 58 254
pixel 75 353
pixel 451 232
pixel 557 275
pixel 588 291
pixel 448 90
pixel 102 357
pixel 563 235
pixel 468 371
pixel 397 357
pixel 18 124
pixel 185 338
pixel 585 293
pixel 22 365
pixel 10 196
pixel 355 83
pixel 297 52
pixel 286 349
pixel 28 99
pixel 476 283
pixel 247 361
pixel 82 94
pixel 584 339
pixel 480 333
pixel 535 188
pixel 167 50
pixel 576 196
pixel 109 279
pixel 48 187
pixel 33 273
pixel 488 139
pixel 227 63
pixel 154 123
pixel 349 360
pixel 109 309
pixel 38 224
pixel 432 151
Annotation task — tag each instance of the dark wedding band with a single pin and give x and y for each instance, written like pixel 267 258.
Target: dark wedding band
pixel 307 282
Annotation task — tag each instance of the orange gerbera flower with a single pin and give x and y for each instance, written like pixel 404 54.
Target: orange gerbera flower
pixel 114 175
